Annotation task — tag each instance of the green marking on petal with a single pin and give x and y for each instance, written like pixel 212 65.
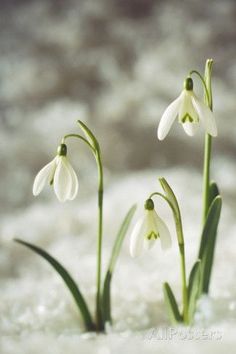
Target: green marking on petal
pixel 152 235
pixel 188 118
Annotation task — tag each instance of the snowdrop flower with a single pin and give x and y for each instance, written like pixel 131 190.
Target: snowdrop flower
pixel 60 174
pixel 149 229
pixel 190 112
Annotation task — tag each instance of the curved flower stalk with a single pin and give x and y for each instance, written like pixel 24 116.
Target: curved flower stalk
pixel 190 110
pixel 149 228
pixel 60 174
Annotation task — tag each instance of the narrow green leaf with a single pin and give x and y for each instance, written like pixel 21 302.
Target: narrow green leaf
pixel 89 135
pixel 192 275
pixel 171 304
pixel 208 240
pixel 193 289
pixel 114 255
pixel 172 200
pixel 120 237
pixel 170 194
pixel 213 191
pixel 106 298
pixel 208 255
pixel 70 283
pixel 207 78
pixel 211 224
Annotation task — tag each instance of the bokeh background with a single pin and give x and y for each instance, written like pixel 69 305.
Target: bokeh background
pixel 115 65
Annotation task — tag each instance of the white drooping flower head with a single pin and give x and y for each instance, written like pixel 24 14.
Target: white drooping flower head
pixel 191 112
pixel 60 174
pixel 149 228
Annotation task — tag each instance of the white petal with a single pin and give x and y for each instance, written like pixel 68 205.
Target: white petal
pixel 187 108
pixel 150 226
pixel 168 118
pixel 74 179
pixel 45 175
pixel 206 116
pixel 62 180
pixel 190 128
pixel 148 244
pixel 164 234
pixel 151 218
pixel 137 238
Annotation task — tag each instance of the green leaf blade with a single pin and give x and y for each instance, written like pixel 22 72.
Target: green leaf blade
pixel 70 283
pixel 114 256
pixel 171 303
pixel 208 241
pixel 89 135
pixel 106 298
pixel 172 201
pixel 213 191
pixel 170 194
pixel 120 237
pixel 210 224
pixel 193 289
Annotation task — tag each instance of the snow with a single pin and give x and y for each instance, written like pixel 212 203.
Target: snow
pixel 38 313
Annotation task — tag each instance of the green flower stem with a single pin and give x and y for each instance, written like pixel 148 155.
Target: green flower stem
pixel 184 283
pixel 99 321
pixel 79 137
pixel 208 140
pixel 206 175
pixel 203 82
pixel 180 238
pixel 206 81
pixel 97 155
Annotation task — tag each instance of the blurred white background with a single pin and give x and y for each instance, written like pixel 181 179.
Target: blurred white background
pixel 116 65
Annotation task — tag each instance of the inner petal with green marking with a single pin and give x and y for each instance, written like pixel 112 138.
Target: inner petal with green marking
pixel 152 235
pixel 187 118
pixel 187 112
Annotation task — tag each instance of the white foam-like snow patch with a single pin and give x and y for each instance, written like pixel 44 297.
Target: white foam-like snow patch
pixel 37 310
